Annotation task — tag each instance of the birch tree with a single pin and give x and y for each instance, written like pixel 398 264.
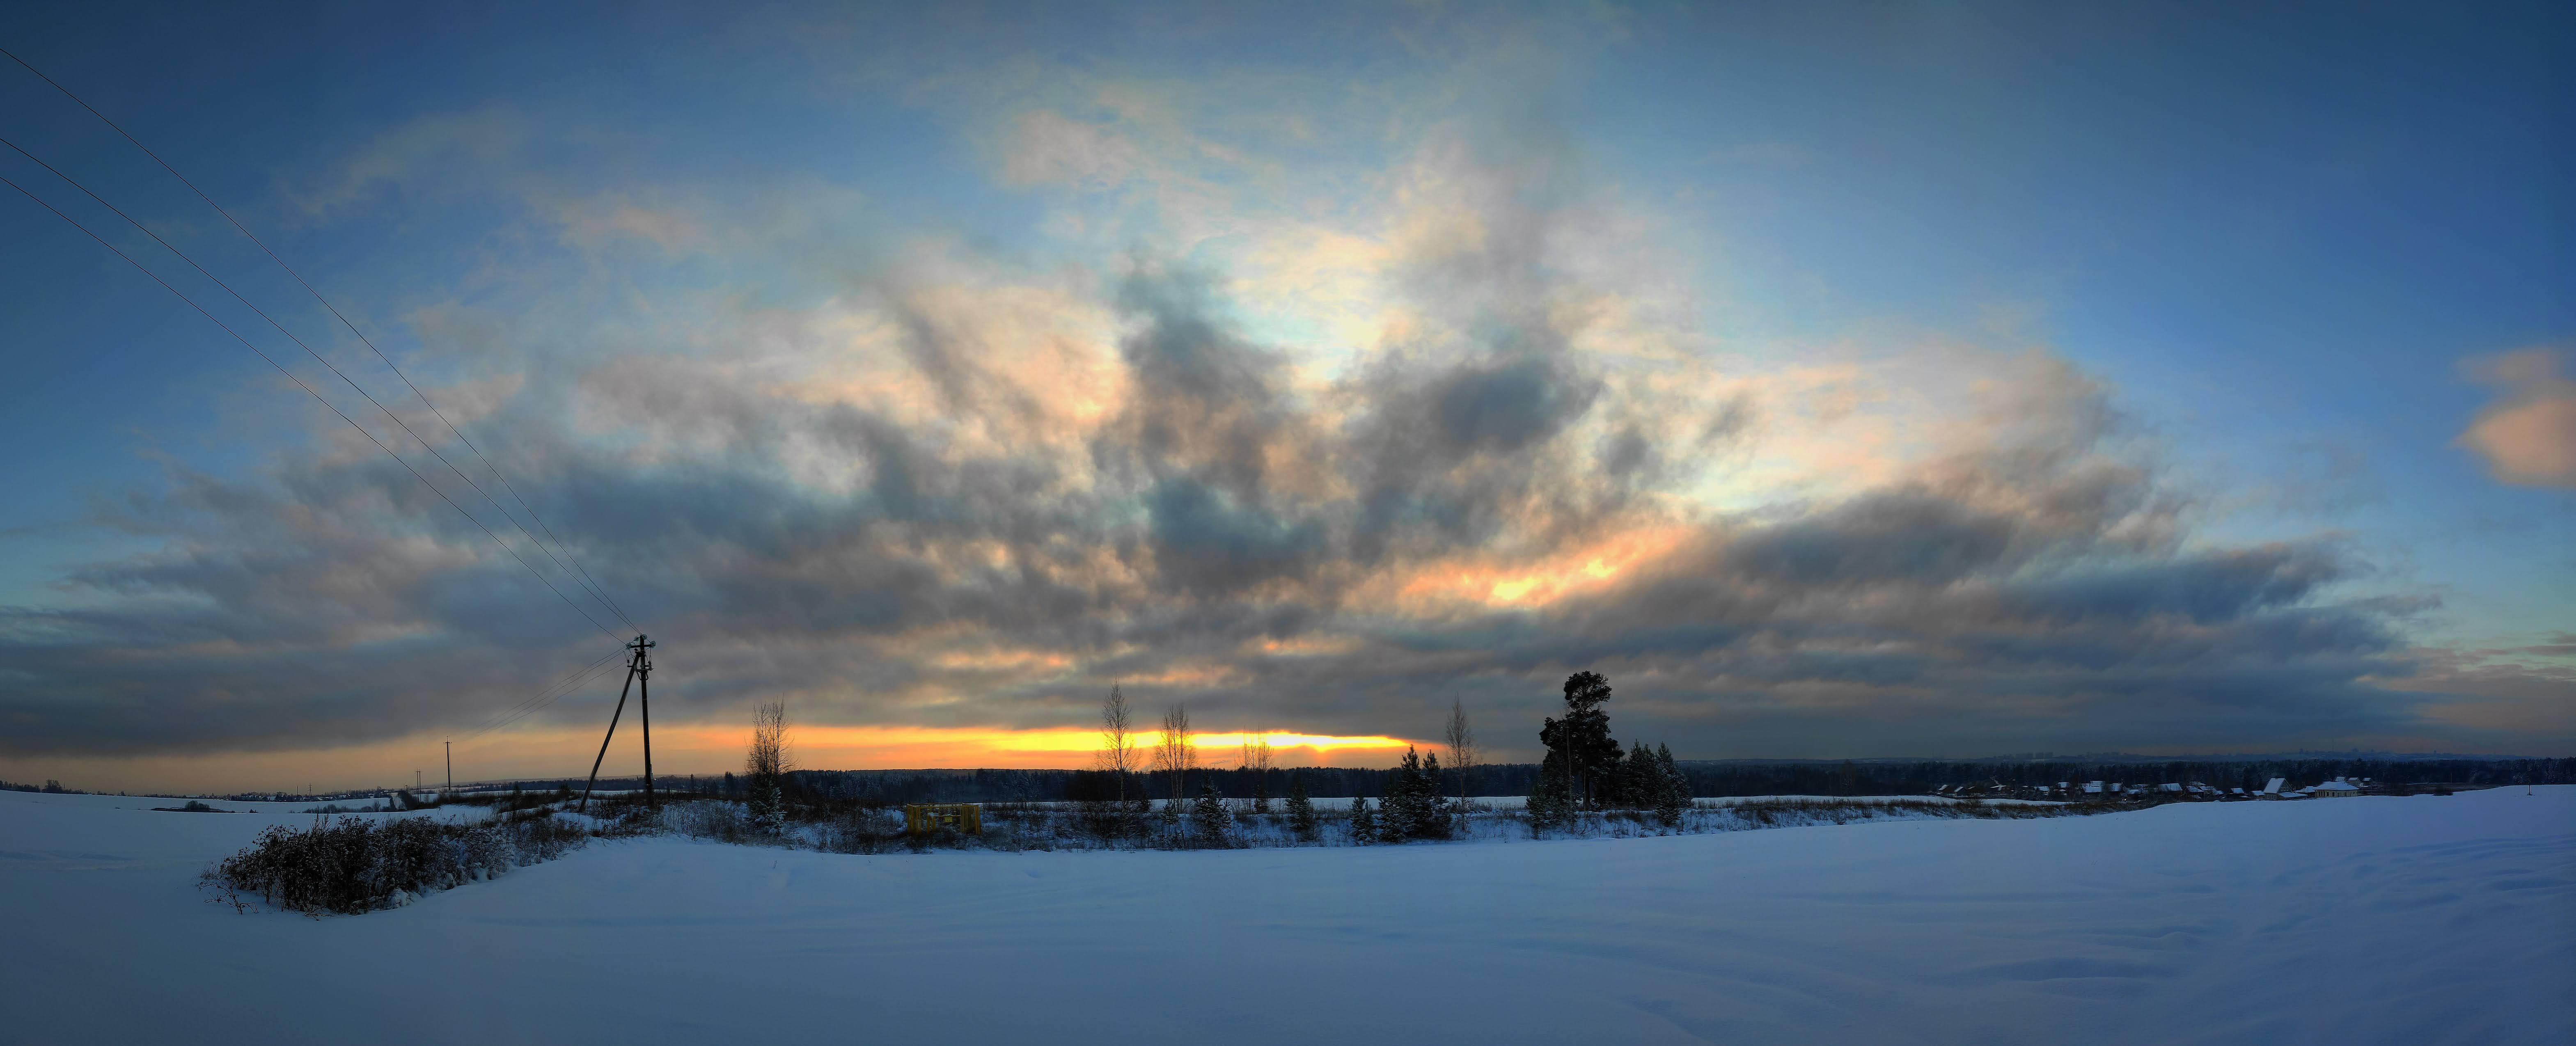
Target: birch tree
pixel 1462 750
pixel 1117 756
pixel 1257 755
pixel 767 763
pixel 1174 754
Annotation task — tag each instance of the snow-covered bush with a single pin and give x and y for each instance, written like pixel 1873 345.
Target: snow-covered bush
pixel 357 865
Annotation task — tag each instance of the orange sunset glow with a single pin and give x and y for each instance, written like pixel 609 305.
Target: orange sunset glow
pixel 963 747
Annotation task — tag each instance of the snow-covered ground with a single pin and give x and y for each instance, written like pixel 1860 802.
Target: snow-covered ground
pixel 1515 802
pixel 2369 920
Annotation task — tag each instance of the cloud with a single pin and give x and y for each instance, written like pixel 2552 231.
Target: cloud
pixel 436 148
pixel 910 482
pixel 2528 433
pixel 1046 147
pixel 1216 535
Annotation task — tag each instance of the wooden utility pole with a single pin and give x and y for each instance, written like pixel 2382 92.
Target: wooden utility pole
pixel 638 666
pixel 644 708
pixel 451 766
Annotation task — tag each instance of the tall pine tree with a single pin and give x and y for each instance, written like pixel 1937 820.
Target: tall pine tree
pixel 1583 737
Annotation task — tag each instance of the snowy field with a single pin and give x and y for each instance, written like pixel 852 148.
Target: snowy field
pixel 1515 802
pixel 2345 921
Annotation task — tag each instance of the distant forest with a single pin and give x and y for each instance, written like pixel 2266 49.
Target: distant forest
pixel 1707 779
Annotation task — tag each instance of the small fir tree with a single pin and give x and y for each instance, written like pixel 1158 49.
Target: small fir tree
pixel 767 807
pixel 1431 809
pixel 1551 802
pixel 1398 811
pixel 1642 779
pixel 1208 817
pixel 1672 793
pixel 1301 809
pixel 1363 823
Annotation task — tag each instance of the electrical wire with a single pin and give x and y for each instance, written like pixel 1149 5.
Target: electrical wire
pixel 309 391
pixel 580 573
pixel 317 357
pixel 549 695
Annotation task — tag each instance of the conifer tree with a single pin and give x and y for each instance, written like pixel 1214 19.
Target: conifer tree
pixel 1583 737
pixel 1301 810
pixel 1431 814
pixel 767 807
pixel 1363 824
pixel 1672 794
pixel 1208 816
pixel 1551 802
pixel 1398 813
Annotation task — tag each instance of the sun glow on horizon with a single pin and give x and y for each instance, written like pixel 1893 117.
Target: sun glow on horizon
pixel 908 747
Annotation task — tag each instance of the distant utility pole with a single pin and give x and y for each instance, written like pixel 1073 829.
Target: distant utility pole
pixel 639 672
pixel 415 780
pixel 451 765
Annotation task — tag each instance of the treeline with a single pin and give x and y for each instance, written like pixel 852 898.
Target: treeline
pixel 49 787
pixel 1885 777
pixel 1704 779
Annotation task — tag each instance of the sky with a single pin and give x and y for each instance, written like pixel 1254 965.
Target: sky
pixel 1838 380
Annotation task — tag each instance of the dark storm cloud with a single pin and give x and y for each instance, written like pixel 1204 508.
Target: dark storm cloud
pixel 1501 407
pixel 1205 543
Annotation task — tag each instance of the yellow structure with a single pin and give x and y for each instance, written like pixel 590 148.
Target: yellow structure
pixel 924 818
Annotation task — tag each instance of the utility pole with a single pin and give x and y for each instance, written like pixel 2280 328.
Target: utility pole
pixel 451 766
pixel 415 780
pixel 638 666
pixel 644 708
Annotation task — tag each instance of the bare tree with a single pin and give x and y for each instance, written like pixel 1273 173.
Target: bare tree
pixel 767 762
pixel 1256 760
pixel 768 756
pixel 1462 749
pixel 1173 754
pixel 1117 753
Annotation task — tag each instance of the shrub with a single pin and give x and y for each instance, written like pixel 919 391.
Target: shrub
pixel 356 865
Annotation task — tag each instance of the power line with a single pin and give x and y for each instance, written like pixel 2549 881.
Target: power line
pixel 308 350
pixel 308 390
pixel 581 574
pixel 552 690
pixel 543 698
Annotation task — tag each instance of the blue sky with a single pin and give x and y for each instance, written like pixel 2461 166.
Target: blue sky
pixel 2265 284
